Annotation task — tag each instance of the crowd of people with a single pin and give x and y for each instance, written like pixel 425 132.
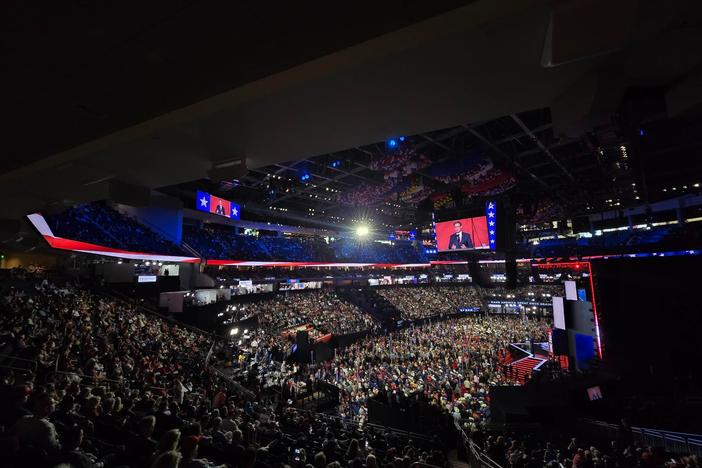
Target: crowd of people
pixel 428 301
pixel 108 385
pixel 367 251
pixel 549 243
pixel 112 385
pixel 75 332
pixel 298 248
pixel 223 243
pixel 98 223
pixel 450 364
pixel 323 310
pixel 535 450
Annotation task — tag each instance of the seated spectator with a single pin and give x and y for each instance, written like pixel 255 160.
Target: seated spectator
pixel 429 301
pixel 141 447
pixel 36 430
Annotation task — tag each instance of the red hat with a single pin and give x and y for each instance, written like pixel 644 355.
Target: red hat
pixel 190 442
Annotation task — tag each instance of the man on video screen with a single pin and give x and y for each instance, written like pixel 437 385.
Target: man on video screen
pixel 459 239
pixel 220 209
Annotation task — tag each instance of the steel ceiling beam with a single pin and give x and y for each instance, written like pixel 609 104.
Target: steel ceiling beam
pixel 542 146
pixel 435 142
pixel 521 134
pixel 505 156
pixel 321 184
pixel 538 150
pixel 319 176
pixel 277 172
pixel 336 169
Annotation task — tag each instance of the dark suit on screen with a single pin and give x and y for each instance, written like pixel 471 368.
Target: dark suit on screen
pixel 465 241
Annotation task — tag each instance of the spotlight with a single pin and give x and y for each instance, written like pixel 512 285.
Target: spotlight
pixel 402 138
pixel 148 263
pixel 392 143
pixel 362 230
pixel 234 331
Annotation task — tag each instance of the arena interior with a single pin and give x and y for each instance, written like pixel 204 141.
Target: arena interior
pixel 389 234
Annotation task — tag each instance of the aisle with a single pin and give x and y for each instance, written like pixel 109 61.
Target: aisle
pixel 454 462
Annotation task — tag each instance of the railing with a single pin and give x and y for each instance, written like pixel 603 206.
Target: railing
pixel 209 353
pixel 239 388
pixel 88 380
pixel 360 426
pixel 674 442
pixel 477 458
pixel 190 249
pixel 16 363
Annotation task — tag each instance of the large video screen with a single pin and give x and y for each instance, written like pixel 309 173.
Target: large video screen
pixel 463 234
pixel 216 205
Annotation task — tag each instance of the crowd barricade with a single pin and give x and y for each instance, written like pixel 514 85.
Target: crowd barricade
pixel 674 442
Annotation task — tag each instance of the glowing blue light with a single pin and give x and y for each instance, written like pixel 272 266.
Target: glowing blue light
pixel 392 143
pixel 641 132
pixel 402 138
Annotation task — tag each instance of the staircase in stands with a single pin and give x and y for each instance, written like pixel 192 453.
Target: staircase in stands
pixel 525 366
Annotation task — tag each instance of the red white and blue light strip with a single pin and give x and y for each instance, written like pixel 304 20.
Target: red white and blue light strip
pixel 491 215
pixel 56 242
pixel 61 243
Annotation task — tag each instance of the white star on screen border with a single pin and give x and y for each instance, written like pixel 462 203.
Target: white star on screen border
pixel 203 201
pixel 235 211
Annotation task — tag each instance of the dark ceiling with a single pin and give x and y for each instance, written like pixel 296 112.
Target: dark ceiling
pixel 155 94
pixel 77 70
pixel 611 167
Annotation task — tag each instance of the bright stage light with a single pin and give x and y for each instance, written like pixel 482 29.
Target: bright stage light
pixel 362 230
pixel 234 331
